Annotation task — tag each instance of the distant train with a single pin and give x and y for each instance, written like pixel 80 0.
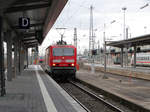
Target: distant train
pixel 117 60
pixel 142 59
pixel 41 60
pixel 61 61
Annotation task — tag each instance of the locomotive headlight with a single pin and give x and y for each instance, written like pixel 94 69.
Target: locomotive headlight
pixel 72 64
pixel 54 64
pixel 71 61
pixel 57 61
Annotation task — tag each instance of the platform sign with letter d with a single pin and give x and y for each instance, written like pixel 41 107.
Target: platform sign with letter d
pixel 24 23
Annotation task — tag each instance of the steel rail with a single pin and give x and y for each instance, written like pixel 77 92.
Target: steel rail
pixel 113 107
pixel 86 109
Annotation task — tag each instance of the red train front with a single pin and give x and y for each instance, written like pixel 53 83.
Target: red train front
pixel 61 61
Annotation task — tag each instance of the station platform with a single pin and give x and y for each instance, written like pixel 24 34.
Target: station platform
pixel 132 90
pixel 129 71
pixel 35 91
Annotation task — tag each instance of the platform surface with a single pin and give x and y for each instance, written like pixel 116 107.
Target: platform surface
pixel 138 72
pixel 131 89
pixel 35 91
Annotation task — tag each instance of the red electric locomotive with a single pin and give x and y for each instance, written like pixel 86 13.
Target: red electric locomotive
pixel 61 61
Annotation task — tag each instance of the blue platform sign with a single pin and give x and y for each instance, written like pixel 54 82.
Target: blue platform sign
pixel 24 23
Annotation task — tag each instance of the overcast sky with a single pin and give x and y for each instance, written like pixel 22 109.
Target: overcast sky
pixel 77 14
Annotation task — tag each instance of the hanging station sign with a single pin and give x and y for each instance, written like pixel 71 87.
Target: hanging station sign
pixel 24 23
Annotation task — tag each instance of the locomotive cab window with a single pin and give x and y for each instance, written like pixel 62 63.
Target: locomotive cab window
pixel 63 52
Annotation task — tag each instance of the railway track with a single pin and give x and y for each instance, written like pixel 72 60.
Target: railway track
pixel 111 106
pixel 109 100
pixel 89 100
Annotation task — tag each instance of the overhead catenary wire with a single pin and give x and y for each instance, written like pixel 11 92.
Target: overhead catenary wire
pixel 68 19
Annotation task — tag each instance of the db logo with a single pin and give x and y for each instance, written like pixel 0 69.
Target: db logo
pixel 24 23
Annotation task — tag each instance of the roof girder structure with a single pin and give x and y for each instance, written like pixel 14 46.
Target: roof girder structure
pixel 31 25
pixel 29 40
pixel 42 14
pixel 29 1
pixel 136 41
pixel 29 35
pixel 26 8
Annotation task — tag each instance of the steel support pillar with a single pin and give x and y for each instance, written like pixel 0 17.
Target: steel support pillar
pixel 105 60
pixel 134 57
pixel 15 56
pixel 22 55
pixel 37 55
pixel 17 62
pixel 2 75
pixel 9 56
pixel 27 58
pixel 121 57
pixel 19 55
pixel 23 58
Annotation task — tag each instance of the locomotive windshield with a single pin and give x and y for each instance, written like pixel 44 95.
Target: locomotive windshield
pixel 63 52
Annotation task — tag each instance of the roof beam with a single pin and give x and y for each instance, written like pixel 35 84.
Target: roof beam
pixel 31 46
pixel 31 25
pixel 20 2
pixel 142 40
pixel 31 43
pixel 37 24
pixel 10 25
pixel 29 40
pixel 27 7
pixel 29 34
pixel 25 38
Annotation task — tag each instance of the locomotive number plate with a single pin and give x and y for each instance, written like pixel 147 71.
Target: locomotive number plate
pixel 63 64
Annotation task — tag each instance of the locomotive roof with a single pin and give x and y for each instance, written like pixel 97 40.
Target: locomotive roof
pixel 56 46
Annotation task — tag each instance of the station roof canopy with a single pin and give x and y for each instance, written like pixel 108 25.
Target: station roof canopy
pixel 136 41
pixel 42 15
